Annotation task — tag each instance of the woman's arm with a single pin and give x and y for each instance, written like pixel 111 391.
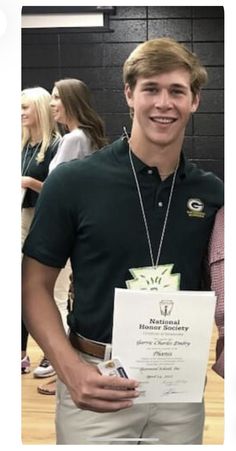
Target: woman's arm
pixel 30 182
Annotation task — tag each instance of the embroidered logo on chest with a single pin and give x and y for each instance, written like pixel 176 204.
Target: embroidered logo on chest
pixel 195 208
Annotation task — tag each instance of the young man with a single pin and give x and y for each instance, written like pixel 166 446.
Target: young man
pixel 136 203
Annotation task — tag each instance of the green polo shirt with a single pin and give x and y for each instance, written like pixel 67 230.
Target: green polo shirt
pixel 89 210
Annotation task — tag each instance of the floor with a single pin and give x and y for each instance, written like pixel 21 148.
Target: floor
pixel 38 410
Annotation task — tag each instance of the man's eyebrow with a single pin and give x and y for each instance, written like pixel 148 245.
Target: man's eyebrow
pixel 172 85
pixel 179 85
pixel 149 83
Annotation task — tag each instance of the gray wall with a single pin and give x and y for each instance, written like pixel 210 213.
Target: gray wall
pixel 96 57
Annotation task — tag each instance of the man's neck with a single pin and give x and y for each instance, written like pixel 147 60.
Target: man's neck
pixel 164 158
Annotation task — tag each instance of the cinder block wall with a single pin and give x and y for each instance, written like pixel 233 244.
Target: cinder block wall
pixel 97 58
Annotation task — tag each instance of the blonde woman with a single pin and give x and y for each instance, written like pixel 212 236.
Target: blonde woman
pixel 40 140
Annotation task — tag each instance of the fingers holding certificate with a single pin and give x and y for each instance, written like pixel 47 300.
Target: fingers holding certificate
pixel 163 339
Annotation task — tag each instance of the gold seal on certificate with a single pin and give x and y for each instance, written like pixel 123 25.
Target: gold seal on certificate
pixel 154 278
pixel 162 339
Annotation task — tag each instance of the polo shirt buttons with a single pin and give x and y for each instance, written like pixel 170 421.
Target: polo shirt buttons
pixel 160 204
pixel 150 171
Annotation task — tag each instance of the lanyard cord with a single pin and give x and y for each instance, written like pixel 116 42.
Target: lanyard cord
pixel 25 169
pixel 144 215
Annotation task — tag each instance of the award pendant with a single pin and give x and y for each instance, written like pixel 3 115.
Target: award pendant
pixel 154 278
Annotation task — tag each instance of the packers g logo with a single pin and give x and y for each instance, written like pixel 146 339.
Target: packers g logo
pixel 195 204
pixel 195 208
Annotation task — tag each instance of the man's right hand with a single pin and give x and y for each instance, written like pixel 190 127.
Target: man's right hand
pixel 99 393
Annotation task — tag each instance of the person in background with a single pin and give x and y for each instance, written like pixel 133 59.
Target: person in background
pixel 40 139
pixel 216 264
pixel 71 106
pixel 134 204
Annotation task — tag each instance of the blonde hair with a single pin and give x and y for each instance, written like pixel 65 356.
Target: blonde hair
pixel 40 98
pixel 75 97
pixel 161 55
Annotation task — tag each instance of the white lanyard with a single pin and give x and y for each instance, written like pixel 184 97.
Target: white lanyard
pixel 154 264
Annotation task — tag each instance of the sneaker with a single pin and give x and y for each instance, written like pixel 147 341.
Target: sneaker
pixel 25 365
pixel 44 369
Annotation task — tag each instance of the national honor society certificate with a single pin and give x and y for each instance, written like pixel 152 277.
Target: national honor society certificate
pixel 163 340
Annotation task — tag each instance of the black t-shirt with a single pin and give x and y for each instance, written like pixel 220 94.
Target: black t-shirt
pixel 31 167
pixel 89 211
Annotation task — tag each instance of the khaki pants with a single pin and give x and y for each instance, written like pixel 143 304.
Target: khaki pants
pixel 149 424
pixel 61 291
pixel 27 215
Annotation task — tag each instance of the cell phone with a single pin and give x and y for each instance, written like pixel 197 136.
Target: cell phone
pixel 112 367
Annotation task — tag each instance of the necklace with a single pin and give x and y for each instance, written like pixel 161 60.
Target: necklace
pixel 155 277
pixel 24 166
pixel 154 264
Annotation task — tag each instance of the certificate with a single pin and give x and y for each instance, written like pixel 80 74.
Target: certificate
pixel 163 340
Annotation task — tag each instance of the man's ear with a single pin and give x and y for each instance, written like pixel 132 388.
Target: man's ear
pixel 195 103
pixel 128 95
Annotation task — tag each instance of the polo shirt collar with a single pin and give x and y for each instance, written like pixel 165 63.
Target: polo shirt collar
pixel 140 166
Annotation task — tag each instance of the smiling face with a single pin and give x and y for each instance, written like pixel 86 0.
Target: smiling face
pixel 162 105
pixel 58 109
pixel 29 116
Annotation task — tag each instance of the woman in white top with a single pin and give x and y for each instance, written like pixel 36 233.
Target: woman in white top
pixel 72 108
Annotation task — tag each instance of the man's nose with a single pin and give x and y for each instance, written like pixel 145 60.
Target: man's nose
pixel 163 99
